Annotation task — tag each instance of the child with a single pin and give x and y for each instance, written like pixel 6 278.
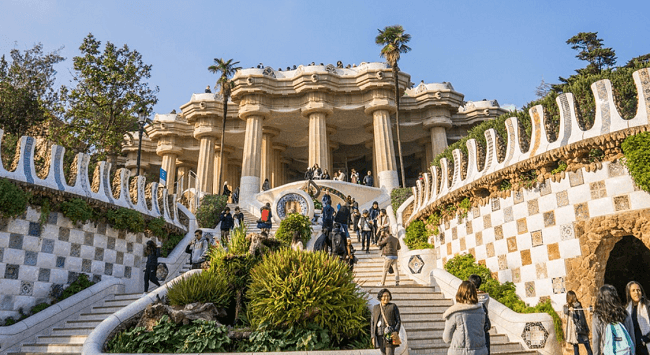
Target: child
pixel 238 217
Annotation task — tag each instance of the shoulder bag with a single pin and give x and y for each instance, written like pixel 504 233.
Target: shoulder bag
pixel 394 336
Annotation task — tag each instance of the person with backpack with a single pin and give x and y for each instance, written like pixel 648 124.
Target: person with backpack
pixel 152 252
pixel 349 256
pixel 483 300
pixel 327 218
pixel 342 217
pixel 577 331
pixel 355 222
pixel 611 326
pixel 339 242
pixel 374 213
pixel 226 225
pixel 265 223
pixel 327 199
pixel 389 248
pixel 238 218
pixel 365 225
pixel 464 323
pixel 638 308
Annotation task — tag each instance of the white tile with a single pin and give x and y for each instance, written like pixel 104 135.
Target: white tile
pixel 500 247
pixel 528 273
pixel 13 256
pixel 480 252
pixel 556 268
pixel 61 248
pixel 4 239
pixel 551 235
pixel 31 243
pixel 10 287
pixel 598 175
pixel 87 252
pixel 509 229
pixel 535 222
pixel 59 276
pixel 110 256
pixel 100 241
pixel 539 254
pixel 73 264
pixel 505 276
pixel 564 215
pixel 76 236
pixel 514 260
pixel 470 241
pixel 579 194
pixel 18 226
pixel 497 217
pixel 547 203
pixel 520 211
pixel 524 241
pixel 601 207
pixel 28 273
pixel 619 185
pixel 32 215
pixel 492 263
pixel 41 289
pixel 639 200
pixel 120 244
pixel 543 287
pixel 97 267
pixel 118 270
pixel 488 236
pixel 128 259
pixel 570 248
pixel 47 261
pixel 50 232
pixel 24 302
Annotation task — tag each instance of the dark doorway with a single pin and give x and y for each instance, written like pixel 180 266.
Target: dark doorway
pixel 628 261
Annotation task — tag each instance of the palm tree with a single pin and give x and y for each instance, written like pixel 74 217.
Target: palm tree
pixel 227 68
pixel 394 40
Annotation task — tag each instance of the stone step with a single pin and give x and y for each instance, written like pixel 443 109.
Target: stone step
pixel 115 303
pixel 428 325
pixel 439 302
pixel 406 290
pixel 494 348
pixel 72 331
pixel 432 317
pixel 390 280
pixel 95 316
pixel 52 348
pixel 435 338
pixel 61 339
pixel 438 310
pixel 31 353
pixel 127 296
pixel 378 273
pixel 82 323
pixel 106 309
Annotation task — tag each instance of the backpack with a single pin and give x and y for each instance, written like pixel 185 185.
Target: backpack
pixel 338 244
pixel 328 212
pixel 265 216
pixel 617 340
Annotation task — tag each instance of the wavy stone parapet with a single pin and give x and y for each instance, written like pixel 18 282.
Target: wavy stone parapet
pixel 438 183
pixel 25 172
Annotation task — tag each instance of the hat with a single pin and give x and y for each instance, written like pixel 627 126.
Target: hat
pixel 365 211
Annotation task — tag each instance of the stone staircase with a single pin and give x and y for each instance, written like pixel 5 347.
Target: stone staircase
pixel 69 338
pixel 420 307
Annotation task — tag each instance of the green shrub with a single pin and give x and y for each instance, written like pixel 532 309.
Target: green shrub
pixel 308 338
pixel 433 222
pixel 417 236
pixel 294 222
pixel 126 219
pixel 317 204
pixel 168 337
pixel 170 243
pixel 398 196
pixel 637 159
pixel 292 288
pixel 77 210
pixel 81 283
pixel 204 287
pixel 13 200
pixel 561 166
pixel 210 209
pixel 462 266
pixel 157 227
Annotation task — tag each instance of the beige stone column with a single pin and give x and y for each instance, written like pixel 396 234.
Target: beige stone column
pixel 332 147
pixel 438 140
pixel 316 111
pixel 206 131
pixel 227 151
pixel 183 172
pixel 252 158
pixel 169 165
pixel 276 175
pixel 384 149
pixel 267 164
pixel 437 125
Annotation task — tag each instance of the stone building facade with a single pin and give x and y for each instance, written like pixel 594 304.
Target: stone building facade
pixel 280 122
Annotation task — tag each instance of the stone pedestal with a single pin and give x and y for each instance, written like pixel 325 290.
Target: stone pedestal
pixel 251 163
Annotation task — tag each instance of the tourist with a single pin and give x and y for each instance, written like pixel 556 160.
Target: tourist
pixel 343 217
pixel 389 248
pixel 464 322
pixel 355 222
pixel 238 218
pixel 338 242
pixel 266 185
pixel 608 312
pixel 316 172
pixel 198 248
pixel 365 225
pixel 354 177
pixel 265 223
pixel 296 242
pixel 226 190
pixel 327 219
pixel 374 213
pixel 207 90
pixel 349 257
pixel 384 321
pixel 638 308
pixel 327 199
pixel 152 251
pixel 368 180
pixel 342 176
pixel 484 301
pixel 325 175
pixel 577 331
pixel 383 224
pixel 235 195
pixel 309 174
pixel 226 225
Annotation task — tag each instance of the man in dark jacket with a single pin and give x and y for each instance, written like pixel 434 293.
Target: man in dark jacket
pixel 390 247
pixel 342 217
pixel 227 223
pixel 368 180
pixel 374 214
pixel 328 217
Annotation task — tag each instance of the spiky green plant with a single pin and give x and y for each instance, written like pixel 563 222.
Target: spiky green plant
pixel 294 222
pixel 292 288
pixel 204 287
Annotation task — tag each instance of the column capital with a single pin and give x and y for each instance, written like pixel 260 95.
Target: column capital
pixel 439 121
pixel 167 145
pixel 381 100
pixel 369 144
pixel 273 132
pixel 228 149
pixel 316 107
pixel 333 145
pixel 279 146
pixel 206 126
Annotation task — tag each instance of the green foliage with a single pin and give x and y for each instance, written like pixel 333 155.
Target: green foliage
pixel 464 207
pixel 204 287
pixel 505 185
pixel 9 147
pixel 317 204
pixel 398 196
pixel 292 288
pixel 462 266
pixel 111 90
pixel 596 155
pixel 417 236
pixel 309 338
pixel 126 219
pixel 170 243
pixel 591 50
pixel 294 222
pixel 81 283
pixel 77 210
pixel 13 200
pixel 238 243
pixel 39 307
pixel 528 178
pixel 210 209
pixel 637 158
pixel 561 166
pixel 157 227
pixel 433 222
pixel 168 337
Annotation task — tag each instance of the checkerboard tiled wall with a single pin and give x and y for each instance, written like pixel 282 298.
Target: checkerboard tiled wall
pixel 526 237
pixel 34 259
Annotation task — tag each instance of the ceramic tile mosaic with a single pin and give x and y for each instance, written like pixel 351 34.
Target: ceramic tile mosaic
pixel 597 190
pixel 454 233
pixel 516 275
pixel 530 288
pixel 503 262
pixel 533 207
pixel 512 244
pixel 518 196
pixel 468 227
pixel 525 257
pixel 562 198
pixel 622 203
pixel 489 250
pixel 34 229
pixel 487 221
pixel 553 251
pixel 566 231
pixel 479 238
pixel 540 270
pixel 16 241
pixel 581 211
pixel 44 275
pixel 47 246
pixel 615 169
pixel 89 239
pixel 522 227
pixel 448 248
pixel 463 245
pixel 545 188
pixel 495 203
pixel 26 288
pixel 507 215
pixel 31 257
pixel 575 178
pixel 11 271
pixel 558 285
pixel 64 234
pixel 549 219
pixel 498 232
pixel 476 212
pixel 536 238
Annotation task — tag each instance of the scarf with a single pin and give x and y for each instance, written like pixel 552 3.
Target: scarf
pixel 641 316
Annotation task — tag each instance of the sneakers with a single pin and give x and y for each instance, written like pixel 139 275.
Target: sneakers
pixel 396 283
pixel 367 251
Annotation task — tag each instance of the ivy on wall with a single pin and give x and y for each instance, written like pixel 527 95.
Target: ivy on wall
pixel 637 159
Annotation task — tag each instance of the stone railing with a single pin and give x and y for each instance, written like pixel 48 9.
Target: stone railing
pixel 439 185
pixel 535 331
pixel 99 188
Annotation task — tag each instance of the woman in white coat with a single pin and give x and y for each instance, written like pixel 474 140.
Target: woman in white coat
pixel 638 308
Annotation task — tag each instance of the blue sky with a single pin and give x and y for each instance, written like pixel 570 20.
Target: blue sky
pixel 486 49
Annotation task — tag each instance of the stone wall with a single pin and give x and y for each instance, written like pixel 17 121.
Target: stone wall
pixel 34 260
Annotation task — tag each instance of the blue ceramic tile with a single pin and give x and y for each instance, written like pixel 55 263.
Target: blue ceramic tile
pixel 47 246
pixel 34 229
pixel 15 241
pixel 30 258
pixel 11 272
pixel 44 275
pixel 60 261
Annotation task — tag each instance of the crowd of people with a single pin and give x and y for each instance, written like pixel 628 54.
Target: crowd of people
pixel 316 173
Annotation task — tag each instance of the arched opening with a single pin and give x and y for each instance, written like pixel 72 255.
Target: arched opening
pixel 629 260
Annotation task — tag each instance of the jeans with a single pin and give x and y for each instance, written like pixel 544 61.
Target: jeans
pixel 387 263
pixel 150 275
pixel 387 349
pixel 365 240
pixel 576 351
pixel 344 227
